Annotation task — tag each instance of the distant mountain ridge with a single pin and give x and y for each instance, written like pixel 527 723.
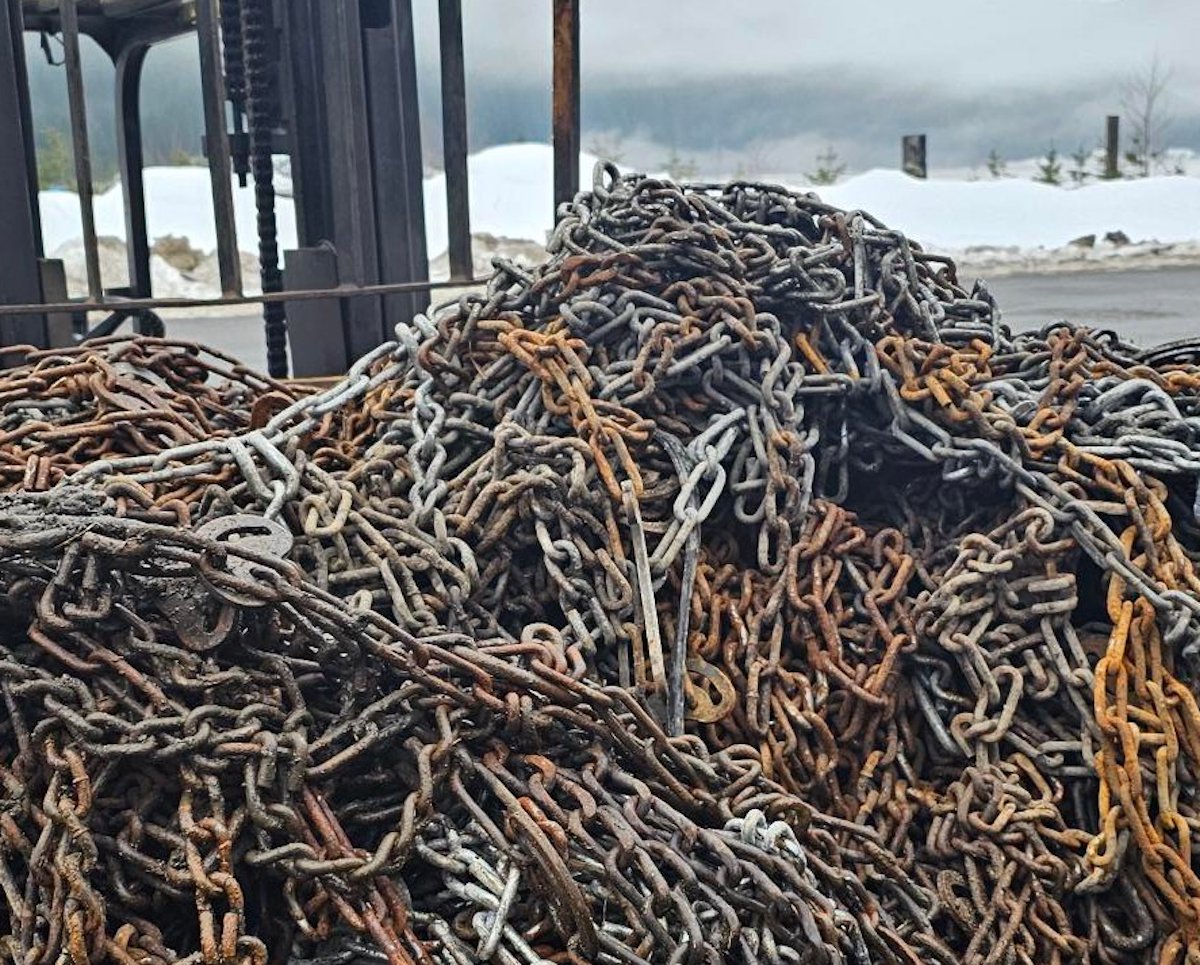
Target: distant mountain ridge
pixel 726 124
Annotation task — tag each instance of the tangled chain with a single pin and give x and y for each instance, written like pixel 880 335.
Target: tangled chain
pixel 732 587
pixel 115 397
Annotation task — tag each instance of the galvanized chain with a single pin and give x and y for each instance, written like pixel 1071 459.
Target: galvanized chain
pixel 734 586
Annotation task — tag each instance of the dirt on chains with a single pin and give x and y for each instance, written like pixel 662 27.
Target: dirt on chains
pixel 731 587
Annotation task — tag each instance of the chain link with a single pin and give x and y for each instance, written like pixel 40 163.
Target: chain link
pixel 732 587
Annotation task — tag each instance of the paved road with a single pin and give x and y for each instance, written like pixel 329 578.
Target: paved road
pixel 239 336
pixel 1147 306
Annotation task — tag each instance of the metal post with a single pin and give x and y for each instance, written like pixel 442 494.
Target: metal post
pixel 389 58
pixel 233 62
pixel 69 15
pixel 216 141
pixel 131 161
pixel 314 327
pixel 913 158
pixel 566 101
pixel 454 139
pixel 351 110
pixel 60 327
pixel 348 143
pixel 259 91
pixel 304 90
pixel 1112 147
pixel 21 239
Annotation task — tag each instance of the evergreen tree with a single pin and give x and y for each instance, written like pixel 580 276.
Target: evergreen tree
pixel 680 168
pixel 1050 168
pixel 829 168
pixel 1079 161
pixel 55 165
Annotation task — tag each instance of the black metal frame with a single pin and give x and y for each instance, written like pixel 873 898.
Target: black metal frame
pixel 216 144
pixel 131 162
pixel 21 239
pixel 454 139
pixel 347 115
pixel 126 40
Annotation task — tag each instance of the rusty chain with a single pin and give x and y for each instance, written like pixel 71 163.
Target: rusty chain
pixel 733 586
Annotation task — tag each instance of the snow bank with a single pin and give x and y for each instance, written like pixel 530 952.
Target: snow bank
pixel 1023 214
pixel 167 281
pixel 511 190
pixel 988 262
pixel 1175 160
pixel 511 198
pixel 178 202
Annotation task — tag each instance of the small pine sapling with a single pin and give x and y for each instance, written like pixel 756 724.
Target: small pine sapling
pixel 1050 168
pixel 1079 162
pixel 829 168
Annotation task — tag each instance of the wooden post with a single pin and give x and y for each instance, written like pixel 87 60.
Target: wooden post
pixel 913 158
pixel 566 101
pixel 1112 147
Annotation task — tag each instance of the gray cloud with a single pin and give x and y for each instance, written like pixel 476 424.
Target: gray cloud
pixel 764 83
pixel 755 85
pixel 972 44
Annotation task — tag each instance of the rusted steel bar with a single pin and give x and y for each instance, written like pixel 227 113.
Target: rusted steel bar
pixel 565 95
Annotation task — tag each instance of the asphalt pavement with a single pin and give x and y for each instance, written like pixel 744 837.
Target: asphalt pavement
pixel 1146 306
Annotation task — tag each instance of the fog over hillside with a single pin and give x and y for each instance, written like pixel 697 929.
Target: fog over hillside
pixel 754 92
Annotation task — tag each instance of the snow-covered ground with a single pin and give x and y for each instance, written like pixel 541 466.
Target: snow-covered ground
pixel 997 225
pixel 1173 161
pixel 1024 214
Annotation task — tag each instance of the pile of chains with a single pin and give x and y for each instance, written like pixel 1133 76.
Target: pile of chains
pixel 118 397
pixel 731 587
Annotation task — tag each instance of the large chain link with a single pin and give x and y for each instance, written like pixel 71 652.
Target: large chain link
pixel 732 587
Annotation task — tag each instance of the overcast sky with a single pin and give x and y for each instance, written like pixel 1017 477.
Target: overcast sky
pixel 980 44
pixel 790 77
pixel 760 87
